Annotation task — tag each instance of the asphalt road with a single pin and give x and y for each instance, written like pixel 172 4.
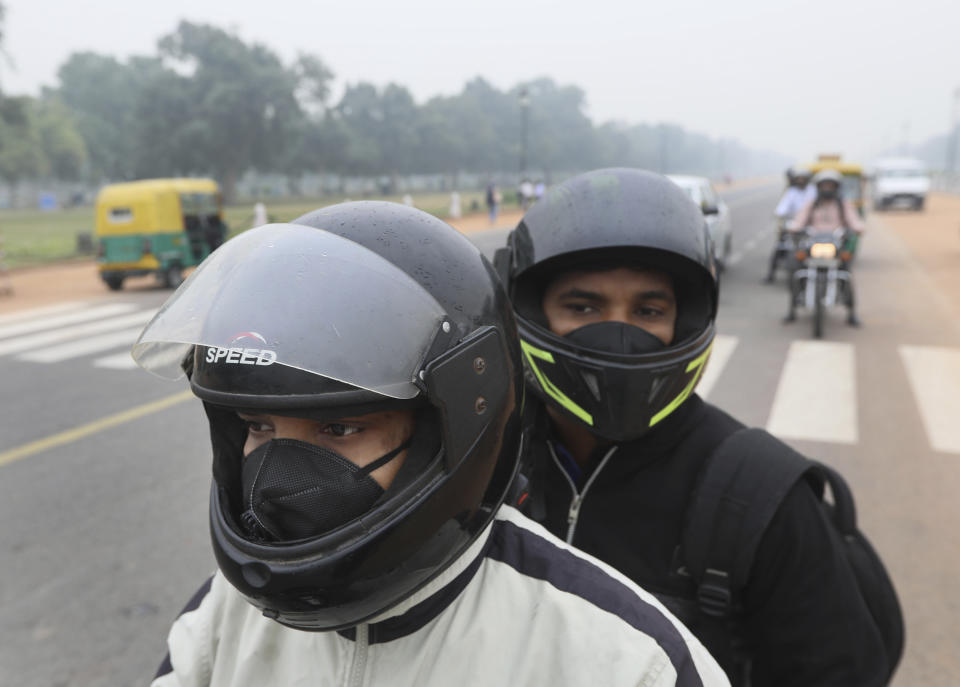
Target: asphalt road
pixel 105 533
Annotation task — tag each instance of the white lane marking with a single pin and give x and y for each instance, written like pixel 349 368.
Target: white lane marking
pixel 119 361
pixel 934 374
pixel 34 341
pixel 723 347
pixel 61 320
pixel 55 354
pixel 749 245
pixel 40 312
pixel 816 398
pixel 750 197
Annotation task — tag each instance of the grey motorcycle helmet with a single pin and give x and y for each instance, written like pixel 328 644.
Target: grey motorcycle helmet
pixel 352 309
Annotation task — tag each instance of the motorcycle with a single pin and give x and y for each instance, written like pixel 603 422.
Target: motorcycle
pixel 782 249
pixel 823 278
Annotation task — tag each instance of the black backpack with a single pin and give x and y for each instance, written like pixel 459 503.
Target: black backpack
pixel 741 487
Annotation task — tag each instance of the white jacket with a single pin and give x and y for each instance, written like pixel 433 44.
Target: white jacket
pixel 519 608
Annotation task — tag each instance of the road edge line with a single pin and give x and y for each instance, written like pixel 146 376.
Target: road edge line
pixel 67 436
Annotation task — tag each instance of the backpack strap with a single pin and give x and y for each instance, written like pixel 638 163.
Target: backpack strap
pixel 742 485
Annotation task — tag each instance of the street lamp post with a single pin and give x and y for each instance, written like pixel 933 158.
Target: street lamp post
pixel 525 113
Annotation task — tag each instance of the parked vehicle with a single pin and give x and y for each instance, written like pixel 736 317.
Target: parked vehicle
pixel 159 226
pixel 823 278
pixel 714 210
pixel 900 182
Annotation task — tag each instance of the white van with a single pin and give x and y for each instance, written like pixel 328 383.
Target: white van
pixel 900 181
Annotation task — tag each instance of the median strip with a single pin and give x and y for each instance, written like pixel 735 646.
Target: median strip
pixel 92 428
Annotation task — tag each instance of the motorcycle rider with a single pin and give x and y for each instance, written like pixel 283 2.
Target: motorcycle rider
pixel 361 375
pixel 828 211
pixel 615 291
pixel 797 194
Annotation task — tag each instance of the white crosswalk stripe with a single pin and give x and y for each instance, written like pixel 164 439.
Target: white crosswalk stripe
pixel 74 349
pixel 39 312
pixel 816 398
pixel 118 361
pixel 723 347
pixel 35 341
pixel 82 315
pixel 68 330
pixel 934 374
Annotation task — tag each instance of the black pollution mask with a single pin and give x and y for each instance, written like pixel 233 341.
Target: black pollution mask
pixel 294 490
pixel 616 337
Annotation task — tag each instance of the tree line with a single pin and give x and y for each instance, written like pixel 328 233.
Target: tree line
pixel 208 102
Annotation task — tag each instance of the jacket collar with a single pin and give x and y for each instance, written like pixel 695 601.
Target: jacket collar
pixel 427 603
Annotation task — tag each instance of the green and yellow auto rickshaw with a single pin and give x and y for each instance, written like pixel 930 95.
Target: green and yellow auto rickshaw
pixel 158 226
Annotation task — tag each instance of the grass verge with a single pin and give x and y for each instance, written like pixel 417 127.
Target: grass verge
pixel 36 237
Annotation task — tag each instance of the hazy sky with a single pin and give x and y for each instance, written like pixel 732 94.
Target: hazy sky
pixel 797 76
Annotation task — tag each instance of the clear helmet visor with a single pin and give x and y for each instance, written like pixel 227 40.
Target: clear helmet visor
pixel 285 294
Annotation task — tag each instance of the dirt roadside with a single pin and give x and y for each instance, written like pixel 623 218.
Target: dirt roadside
pixel 35 287
pixel 933 240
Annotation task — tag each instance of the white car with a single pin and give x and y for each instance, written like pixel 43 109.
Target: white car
pixel 714 210
pixel 900 181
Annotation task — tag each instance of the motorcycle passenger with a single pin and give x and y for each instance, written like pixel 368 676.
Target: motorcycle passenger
pixel 615 290
pixel 361 374
pixel 828 211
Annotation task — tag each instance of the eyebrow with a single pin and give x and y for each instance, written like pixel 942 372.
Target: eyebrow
pixel 574 292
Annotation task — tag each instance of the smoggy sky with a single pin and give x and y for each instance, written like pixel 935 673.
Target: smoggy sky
pixel 799 77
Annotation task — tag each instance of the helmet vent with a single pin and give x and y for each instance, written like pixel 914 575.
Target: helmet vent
pixel 590 379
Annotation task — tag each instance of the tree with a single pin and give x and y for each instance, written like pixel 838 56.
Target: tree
pixel 102 94
pixel 561 136
pixel 21 154
pixel 240 108
pixel 313 79
pixel 63 148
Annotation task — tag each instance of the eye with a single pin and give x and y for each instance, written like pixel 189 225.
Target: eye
pixel 649 311
pixel 339 429
pixel 579 308
pixel 257 426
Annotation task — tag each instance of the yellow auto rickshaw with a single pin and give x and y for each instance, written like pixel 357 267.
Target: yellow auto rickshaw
pixel 853 178
pixel 158 226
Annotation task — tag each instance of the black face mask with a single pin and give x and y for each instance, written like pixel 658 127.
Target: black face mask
pixel 616 337
pixel 294 490
pixel 828 194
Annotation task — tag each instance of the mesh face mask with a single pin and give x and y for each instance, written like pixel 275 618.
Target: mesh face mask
pixel 293 490
pixel 616 337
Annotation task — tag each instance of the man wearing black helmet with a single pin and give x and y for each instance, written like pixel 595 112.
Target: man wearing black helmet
pixel 614 287
pixel 361 375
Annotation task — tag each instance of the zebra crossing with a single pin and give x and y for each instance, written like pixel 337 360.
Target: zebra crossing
pixel 816 396
pixel 805 406
pixel 74 330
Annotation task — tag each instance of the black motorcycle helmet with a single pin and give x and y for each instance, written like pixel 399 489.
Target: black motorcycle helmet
pixel 355 308
pixel 601 220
